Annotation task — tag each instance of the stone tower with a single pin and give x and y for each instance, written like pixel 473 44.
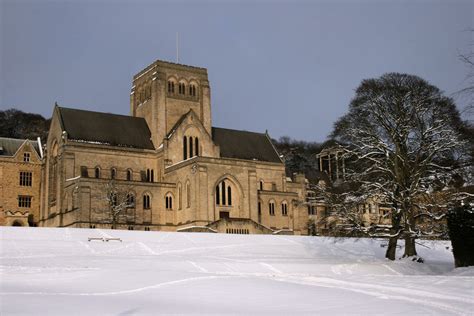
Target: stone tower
pixel 163 92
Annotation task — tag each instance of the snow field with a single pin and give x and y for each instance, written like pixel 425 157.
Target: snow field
pixel 56 271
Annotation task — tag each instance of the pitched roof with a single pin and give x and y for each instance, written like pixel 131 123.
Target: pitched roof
pixel 244 145
pixel 9 146
pixel 106 128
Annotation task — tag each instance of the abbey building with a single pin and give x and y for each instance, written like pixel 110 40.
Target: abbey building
pixel 165 167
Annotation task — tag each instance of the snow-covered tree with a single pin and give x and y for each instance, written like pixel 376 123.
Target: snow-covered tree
pixel 404 140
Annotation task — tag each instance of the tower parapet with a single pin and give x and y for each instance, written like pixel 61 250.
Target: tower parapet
pixel 163 92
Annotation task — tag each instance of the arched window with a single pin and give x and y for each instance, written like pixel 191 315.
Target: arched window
pixel 181 88
pixel 170 86
pixel 129 175
pixel 188 194
pixel 191 147
pixel 130 200
pixel 271 208
pixel 284 209
pixel 113 173
pixel 180 197
pixel 97 172
pixel 223 194
pixel 185 148
pixel 169 202
pixel 196 143
pixel 146 202
pixel 261 185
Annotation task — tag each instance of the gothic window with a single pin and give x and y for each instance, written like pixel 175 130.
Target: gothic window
pixel 170 86
pixel 169 202
pixel 192 90
pixel 223 194
pixel 113 173
pixel 185 148
pixel 188 194
pixel 261 185
pixel 129 175
pixel 26 178
pixel 146 202
pixel 180 197
pixel 190 147
pixel 196 143
pixel 271 208
pixel 181 88
pixel 130 200
pixel 97 172
pixel 284 209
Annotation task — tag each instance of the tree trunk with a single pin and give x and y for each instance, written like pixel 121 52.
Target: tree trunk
pixel 392 243
pixel 391 248
pixel 410 248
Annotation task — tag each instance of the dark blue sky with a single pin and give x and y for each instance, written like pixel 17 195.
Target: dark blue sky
pixel 289 67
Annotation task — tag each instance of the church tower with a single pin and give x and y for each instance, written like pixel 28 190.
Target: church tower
pixel 163 92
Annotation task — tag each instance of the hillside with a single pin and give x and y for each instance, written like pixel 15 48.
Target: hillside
pixel 57 271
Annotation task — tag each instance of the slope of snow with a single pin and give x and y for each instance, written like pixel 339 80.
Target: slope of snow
pixel 57 271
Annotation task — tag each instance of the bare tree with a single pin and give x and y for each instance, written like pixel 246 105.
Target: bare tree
pixel 404 139
pixel 119 199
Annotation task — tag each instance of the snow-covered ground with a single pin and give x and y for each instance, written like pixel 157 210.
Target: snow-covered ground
pixel 56 271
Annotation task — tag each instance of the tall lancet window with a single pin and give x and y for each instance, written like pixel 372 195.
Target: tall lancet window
pixel 185 148
pixel 190 147
pixel 196 142
pixel 223 194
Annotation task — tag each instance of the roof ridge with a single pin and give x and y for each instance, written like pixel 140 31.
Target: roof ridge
pixel 239 130
pixel 98 112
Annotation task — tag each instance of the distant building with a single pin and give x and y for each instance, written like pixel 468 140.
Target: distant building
pixel 179 172
pixel 20 181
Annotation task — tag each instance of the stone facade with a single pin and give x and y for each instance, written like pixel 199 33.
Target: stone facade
pixel 194 177
pixel 20 182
